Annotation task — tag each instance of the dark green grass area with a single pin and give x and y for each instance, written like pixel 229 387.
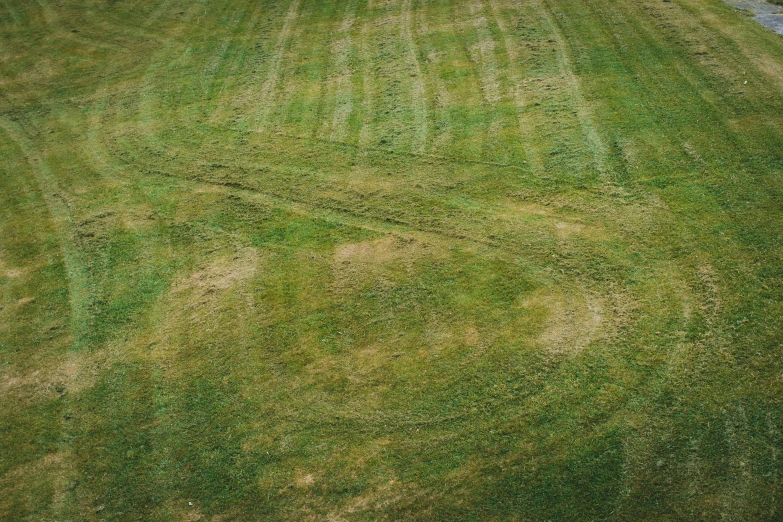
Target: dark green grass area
pixel 403 260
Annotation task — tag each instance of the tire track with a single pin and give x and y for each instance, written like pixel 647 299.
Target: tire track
pixel 345 215
pixel 273 76
pixel 422 155
pixel 482 54
pixel 419 89
pixel 79 294
pixel 76 268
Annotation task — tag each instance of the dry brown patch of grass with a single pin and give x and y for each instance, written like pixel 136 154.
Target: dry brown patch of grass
pixel 370 359
pixel 197 300
pixel 187 511
pixel 356 264
pixel 24 481
pixel 577 317
pixel 513 208
pixel 770 65
pixel 68 374
pixel 9 272
pixel 221 274
pixel 377 499
pixel 305 481
pixel 138 217
pixel 565 229
pixel 24 300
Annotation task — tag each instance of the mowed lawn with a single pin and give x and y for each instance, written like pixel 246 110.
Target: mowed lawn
pixel 390 260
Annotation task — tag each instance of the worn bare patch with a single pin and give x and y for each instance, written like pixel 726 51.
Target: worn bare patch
pixel 305 481
pixel 205 287
pixel 69 374
pixel 138 217
pixel 564 229
pixel 381 497
pixel 9 272
pixel 221 274
pixel 575 319
pixel 358 263
pixel 25 300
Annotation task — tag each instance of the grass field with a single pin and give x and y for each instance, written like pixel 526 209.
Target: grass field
pixel 390 260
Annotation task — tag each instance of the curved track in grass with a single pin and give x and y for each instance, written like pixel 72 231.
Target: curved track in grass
pixel 396 259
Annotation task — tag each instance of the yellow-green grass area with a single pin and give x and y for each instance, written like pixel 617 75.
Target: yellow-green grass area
pixel 390 260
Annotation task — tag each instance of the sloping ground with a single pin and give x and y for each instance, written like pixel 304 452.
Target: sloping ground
pixel 390 260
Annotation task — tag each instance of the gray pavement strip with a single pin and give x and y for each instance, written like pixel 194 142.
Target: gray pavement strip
pixel 767 14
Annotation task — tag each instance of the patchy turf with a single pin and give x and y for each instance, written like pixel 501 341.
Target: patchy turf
pixel 400 260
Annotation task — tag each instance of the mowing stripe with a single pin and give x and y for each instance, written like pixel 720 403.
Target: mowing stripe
pixel 367 100
pixel 483 53
pixel 514 58
pixel 584 114
pixel 341 87
pixel 231 75
pixel 266 97
pixel 419 90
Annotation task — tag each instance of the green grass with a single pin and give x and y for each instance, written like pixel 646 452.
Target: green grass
pixel 404 260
